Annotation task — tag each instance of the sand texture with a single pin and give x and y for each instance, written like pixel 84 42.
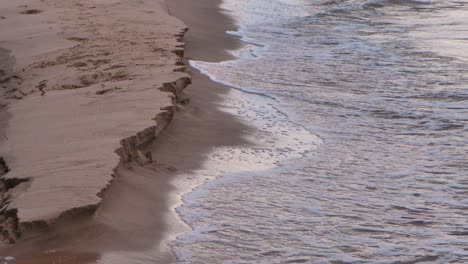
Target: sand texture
pixel 84 85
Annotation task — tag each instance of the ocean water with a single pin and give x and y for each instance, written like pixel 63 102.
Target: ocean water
pixel 361 149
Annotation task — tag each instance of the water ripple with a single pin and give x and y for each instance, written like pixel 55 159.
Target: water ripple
pixel 384 84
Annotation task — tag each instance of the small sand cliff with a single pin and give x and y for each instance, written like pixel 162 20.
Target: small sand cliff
pixel 84 85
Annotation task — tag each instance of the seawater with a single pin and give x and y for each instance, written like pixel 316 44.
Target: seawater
pixel 360 153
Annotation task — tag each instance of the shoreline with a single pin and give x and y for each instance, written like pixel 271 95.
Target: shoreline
pixel 175 151
pixel 207 25
pixel 205 40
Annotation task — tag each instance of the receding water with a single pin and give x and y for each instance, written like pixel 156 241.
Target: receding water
pixel 366 103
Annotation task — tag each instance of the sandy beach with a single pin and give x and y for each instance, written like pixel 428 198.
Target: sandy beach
pixel 342 138
pixel 88 89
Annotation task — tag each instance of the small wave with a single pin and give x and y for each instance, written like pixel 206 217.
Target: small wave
pixel 243 39
pixel 194 64
pixel 350 6
pixel 392 115
pixel 382 3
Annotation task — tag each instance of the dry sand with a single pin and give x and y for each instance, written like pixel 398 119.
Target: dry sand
pixel 81 82
pixel 87 76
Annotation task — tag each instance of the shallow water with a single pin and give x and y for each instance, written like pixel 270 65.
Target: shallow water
pixel 362 109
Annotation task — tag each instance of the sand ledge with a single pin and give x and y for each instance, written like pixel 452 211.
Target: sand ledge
pixel 94 86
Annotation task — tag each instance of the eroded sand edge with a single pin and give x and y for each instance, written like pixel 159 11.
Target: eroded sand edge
pixel 85 85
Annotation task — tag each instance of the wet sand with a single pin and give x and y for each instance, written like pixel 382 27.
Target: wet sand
pixel 196 129
pixel 140 204
pixel 136 219
pixel 207 39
